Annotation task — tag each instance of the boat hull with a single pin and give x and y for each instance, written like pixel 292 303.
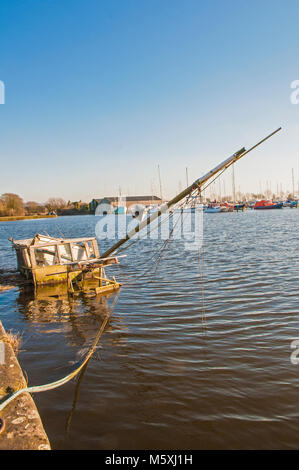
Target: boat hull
pixel 270 206
pixel 212 210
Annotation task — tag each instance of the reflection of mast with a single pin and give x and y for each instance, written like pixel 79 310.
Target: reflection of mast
pixel 76 396
pixel 160 183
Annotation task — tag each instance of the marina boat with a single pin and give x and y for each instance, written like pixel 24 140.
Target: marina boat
pixel 212 209
pixel 260 205
pixel 46 260
pixel 290 204
pixel 227 207
pixel 239 207
pixel 189 209
pixel 120 210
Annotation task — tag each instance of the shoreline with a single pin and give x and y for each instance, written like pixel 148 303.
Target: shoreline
pixel 25 217
pixel 28 217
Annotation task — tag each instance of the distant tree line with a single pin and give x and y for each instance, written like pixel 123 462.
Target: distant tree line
pixel 13 205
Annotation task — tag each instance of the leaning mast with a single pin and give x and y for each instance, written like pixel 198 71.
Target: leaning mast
pixel 196 185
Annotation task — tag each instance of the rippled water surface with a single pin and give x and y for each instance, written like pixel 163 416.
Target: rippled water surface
pixel 196 355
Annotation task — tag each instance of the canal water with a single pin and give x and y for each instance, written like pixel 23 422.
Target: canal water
pixel 197 352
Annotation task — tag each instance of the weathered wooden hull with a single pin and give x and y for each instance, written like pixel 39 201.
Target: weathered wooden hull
pixel 54 274
pixel 48 261
pixel 48 276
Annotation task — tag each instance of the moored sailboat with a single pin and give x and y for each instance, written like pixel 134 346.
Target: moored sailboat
pixel 212 209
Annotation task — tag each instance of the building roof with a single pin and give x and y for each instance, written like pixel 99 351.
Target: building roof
pixel 130 198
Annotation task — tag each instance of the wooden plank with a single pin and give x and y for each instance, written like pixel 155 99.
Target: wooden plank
pixel 27 258
pixel 59 242
pixel 32 256
pixel 96 248
pixel 58 254
pixel 72 252
pixel 87 250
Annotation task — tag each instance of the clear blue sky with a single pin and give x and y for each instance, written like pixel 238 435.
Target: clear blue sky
pixel 99 92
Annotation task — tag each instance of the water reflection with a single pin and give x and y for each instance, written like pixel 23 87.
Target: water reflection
pixel 75 400
pixel 80 319
pixel 50 310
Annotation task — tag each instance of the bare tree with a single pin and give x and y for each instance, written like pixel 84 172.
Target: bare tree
pixel 55 203
pixel 33 207
pixel 2 208
pixel 13 204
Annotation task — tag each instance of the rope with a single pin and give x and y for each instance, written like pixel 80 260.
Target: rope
pixel 64 380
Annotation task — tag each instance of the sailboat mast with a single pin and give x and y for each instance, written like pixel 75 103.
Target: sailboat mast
pixel 196 185
pixel 234 185
pixel 293 183
pixel 160 183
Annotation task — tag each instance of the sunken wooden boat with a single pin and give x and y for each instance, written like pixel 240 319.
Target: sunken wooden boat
pixel 76 261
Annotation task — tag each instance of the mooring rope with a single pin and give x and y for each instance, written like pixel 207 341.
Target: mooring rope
pixel 64 380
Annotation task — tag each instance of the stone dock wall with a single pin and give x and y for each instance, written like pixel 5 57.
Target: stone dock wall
pixel 23 429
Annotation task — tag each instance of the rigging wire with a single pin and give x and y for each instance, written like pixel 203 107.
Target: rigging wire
pixel 217 176
pixel 158 253
pixel 167 241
